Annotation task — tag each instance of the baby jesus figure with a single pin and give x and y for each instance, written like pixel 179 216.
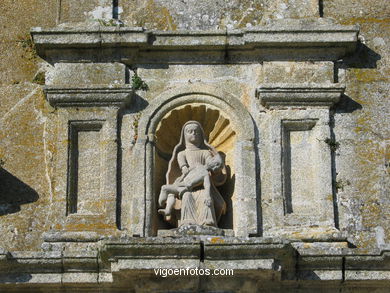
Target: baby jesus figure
pixel 194 177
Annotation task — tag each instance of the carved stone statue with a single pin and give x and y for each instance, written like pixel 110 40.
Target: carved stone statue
pixel 194 171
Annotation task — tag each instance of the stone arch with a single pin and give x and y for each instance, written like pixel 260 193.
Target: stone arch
pixel 176 97
pixel 244 221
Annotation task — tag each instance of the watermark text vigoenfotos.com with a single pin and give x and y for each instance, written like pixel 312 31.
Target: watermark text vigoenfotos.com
pixel 164 272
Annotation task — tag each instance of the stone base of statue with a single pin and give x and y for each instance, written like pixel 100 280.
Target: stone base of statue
pixel 192 230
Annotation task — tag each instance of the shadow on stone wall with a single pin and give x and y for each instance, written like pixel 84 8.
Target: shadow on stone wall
pixel 14 193
pixel 364 57
pixel 347 105
pixel 227 191
pixel 15 278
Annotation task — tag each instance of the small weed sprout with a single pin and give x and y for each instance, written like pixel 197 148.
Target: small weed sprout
pixel 135 126
pixel 332 143
pixel 340 184
pixel 39 78
pixel 27 44
pixel 111 22
pixel 138 84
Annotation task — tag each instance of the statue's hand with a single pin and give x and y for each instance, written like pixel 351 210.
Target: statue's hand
pixel 208 202
pixel 184 170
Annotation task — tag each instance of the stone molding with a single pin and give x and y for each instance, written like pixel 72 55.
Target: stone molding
pixel 70 236
pixel 318 41
pixel 93 96
pixel 305 95
pixel 271 259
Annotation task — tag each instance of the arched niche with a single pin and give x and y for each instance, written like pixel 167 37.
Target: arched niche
pixel 189 102
pixel 219 133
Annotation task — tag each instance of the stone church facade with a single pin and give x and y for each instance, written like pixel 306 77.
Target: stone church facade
pixel 242 136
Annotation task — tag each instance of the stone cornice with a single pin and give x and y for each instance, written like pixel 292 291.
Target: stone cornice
pixel 299 95
pixel 288 261
pixel 93 96
pixel 317 41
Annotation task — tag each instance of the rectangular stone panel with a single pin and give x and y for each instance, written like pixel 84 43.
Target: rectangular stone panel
pixel 86 74
pixel 298 72
pixel 299 178
pixel 84 167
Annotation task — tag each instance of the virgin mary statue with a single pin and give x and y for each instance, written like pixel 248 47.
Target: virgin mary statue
pixel 200 205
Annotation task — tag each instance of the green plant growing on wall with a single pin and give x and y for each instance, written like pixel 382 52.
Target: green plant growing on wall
pixel 135 126
pixel 340 184
pixel 332 143
pixel 27 44
pixel 111 22
pixel 137 83
pixel 39 78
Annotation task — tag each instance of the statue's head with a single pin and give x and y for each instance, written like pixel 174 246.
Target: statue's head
pixel 214 163
pixel 193 133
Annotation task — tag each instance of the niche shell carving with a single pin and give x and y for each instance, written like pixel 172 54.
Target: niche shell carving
pixel 194 171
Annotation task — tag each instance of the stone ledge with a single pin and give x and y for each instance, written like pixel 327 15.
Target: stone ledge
pixel 65 236
pixel 363 275
pixel 275 95
pixel 93 96
pixel 277 41
pixel 88 36
pixel 263 258
pixel 151 248
pixel 273 36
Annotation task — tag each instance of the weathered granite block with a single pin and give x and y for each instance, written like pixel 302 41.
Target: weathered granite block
pixel 81 74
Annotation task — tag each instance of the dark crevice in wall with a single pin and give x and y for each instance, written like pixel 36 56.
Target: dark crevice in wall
pixel 71 185
pixel 334 173
pixel 258 183
pixel 127 75
pixel 58 20
pixel 115 9
pixel 99 269
pixel 295 266
pixel 286 169
pixel 201 251
pixel 321 7
pixel 336 67
pixel 119 170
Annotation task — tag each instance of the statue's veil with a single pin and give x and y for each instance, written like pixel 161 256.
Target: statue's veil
pixel 173 166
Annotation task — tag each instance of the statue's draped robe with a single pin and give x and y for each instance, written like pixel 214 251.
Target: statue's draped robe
pixel 193 207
